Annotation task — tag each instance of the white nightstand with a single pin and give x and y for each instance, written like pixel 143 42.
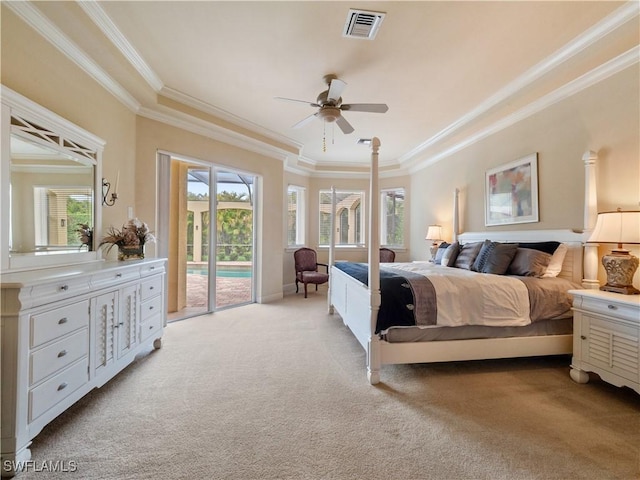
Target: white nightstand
pixel 606 337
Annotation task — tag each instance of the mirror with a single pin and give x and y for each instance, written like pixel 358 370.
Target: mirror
pixel 52 200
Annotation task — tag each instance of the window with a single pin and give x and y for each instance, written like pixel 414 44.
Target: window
pixel 349 218
pixel 392 221
pixel 295 216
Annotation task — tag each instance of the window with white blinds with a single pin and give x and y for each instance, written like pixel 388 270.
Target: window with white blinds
pixel 296 198
pixel 58 211
pixel 392 217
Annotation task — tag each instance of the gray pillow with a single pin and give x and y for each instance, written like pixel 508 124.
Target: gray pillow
pixel 440 253
pixel 529 263
pixel 485 250
pixel 450 254
pixel 467 255
pixel 499 258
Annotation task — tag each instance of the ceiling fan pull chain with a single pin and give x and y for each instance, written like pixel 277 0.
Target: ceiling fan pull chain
pixel 324 136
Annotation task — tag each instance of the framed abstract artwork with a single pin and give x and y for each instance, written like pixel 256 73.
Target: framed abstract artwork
pixel 511 192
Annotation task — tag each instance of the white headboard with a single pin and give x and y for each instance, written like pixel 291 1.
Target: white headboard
pixel 572 265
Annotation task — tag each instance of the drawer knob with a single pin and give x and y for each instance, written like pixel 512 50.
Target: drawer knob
pixel 150 327
pixel 583 337
pixel 612 307
pixel 118 275
pixel 150 288
pixel 64 288
pixel 62 386
pixel 152 268
pixel 62 353
pixel 62 321
pixel 151 307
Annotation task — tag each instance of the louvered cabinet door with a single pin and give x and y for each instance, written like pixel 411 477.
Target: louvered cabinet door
pixel 105 321
pixel 606 337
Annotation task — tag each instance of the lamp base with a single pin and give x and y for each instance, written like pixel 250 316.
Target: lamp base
pixel 620 267
pixel 433 250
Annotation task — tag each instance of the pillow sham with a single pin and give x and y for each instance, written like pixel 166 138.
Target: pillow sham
pixel 555 264
pixel 547 247
pixel 528 262
pixel 485 250
pixel 450 254
pixel 467 255
pixel 499 259
pixel 440 252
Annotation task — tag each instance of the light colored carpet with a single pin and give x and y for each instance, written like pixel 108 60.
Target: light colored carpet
pixel 279 391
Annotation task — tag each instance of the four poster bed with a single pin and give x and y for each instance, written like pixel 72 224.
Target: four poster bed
pixel 499 316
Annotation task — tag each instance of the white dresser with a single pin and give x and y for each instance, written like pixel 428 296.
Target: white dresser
pixel 65 331
pixel 606 337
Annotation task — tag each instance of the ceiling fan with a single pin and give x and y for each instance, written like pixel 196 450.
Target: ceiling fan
pixel 330 106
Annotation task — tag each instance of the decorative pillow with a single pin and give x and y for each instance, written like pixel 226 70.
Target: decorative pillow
pixel 467 255
pixel 485 250
pixel 440 252
pixel 547 247
pixel 499 259
pixel 450 254
pixel 529 263
pixel 555 264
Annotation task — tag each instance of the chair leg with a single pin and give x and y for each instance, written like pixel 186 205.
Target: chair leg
pixel 296 285
pixel 316 287
pixel 305 290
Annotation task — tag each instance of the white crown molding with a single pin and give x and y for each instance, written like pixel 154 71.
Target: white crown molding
pixel 598 74
pixel 227 116
pixel 95 12
pixel 41 24
pixel 594 34
pixel 209 130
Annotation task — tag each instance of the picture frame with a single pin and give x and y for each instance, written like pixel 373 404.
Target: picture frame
pixel 511 192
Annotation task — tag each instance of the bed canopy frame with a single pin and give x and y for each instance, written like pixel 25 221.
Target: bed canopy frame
pixel 358 305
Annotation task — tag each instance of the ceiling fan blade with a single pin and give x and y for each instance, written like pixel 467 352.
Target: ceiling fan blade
pixel 365 107
pixel 313 104
pixel 306 120
pixel 336 88
pixel 344 125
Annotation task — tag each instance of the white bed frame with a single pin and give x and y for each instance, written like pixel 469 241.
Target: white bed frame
pixel 358 304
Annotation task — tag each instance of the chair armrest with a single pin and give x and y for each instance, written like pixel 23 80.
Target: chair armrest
pixel 323 265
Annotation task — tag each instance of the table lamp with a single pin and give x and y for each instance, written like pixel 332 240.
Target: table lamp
pixel 434 233
pixel 618 227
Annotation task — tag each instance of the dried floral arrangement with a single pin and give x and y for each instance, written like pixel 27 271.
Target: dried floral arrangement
pixel 85 232
pixel 133 233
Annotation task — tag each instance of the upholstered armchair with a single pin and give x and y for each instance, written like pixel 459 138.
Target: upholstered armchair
pixel 306 262
pixel 387 255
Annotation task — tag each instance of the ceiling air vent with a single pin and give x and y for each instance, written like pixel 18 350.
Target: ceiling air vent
pixel 362 24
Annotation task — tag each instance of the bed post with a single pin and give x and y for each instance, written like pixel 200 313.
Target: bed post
pixel 456 216
pixel 373 350
pixel 332 244
pixel 590 263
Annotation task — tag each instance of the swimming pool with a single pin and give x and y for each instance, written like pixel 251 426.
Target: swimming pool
pixel 228 271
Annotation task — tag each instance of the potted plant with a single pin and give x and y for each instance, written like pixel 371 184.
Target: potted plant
pixel 130 239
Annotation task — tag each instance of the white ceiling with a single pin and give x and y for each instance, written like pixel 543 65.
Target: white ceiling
pixel 448 70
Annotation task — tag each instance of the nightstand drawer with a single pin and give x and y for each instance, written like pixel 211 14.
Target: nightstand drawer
pixel 57 322
pixel 150 308
pixel 58 355
pixel 607 307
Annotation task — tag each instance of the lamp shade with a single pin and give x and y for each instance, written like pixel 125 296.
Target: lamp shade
pixel 434 232
pixel 617 227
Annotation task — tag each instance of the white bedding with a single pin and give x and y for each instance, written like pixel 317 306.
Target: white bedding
pixel 501 301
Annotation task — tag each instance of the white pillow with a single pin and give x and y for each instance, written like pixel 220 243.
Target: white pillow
pixel 555 264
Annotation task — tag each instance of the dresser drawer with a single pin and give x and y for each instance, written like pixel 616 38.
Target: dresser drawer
pixel 56 389
pixel 114 277
pixel 150 308
pixel 604 307
pixel 151 326
pixel 59 290
pixel 146 270
pixel 151 288
pixel 54 323
pixel 58 355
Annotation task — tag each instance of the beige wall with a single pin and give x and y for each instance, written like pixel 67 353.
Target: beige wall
pixel 604 118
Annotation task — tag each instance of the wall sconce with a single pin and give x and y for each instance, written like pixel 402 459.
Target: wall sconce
pixel 618 227
pixel 434 233
pixel 106 186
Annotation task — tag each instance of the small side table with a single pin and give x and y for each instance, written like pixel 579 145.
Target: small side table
pixel 606 337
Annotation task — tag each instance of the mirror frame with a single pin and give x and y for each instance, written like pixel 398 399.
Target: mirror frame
pixel 58 134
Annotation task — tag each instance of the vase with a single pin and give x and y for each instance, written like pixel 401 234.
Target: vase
pixel 130 252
